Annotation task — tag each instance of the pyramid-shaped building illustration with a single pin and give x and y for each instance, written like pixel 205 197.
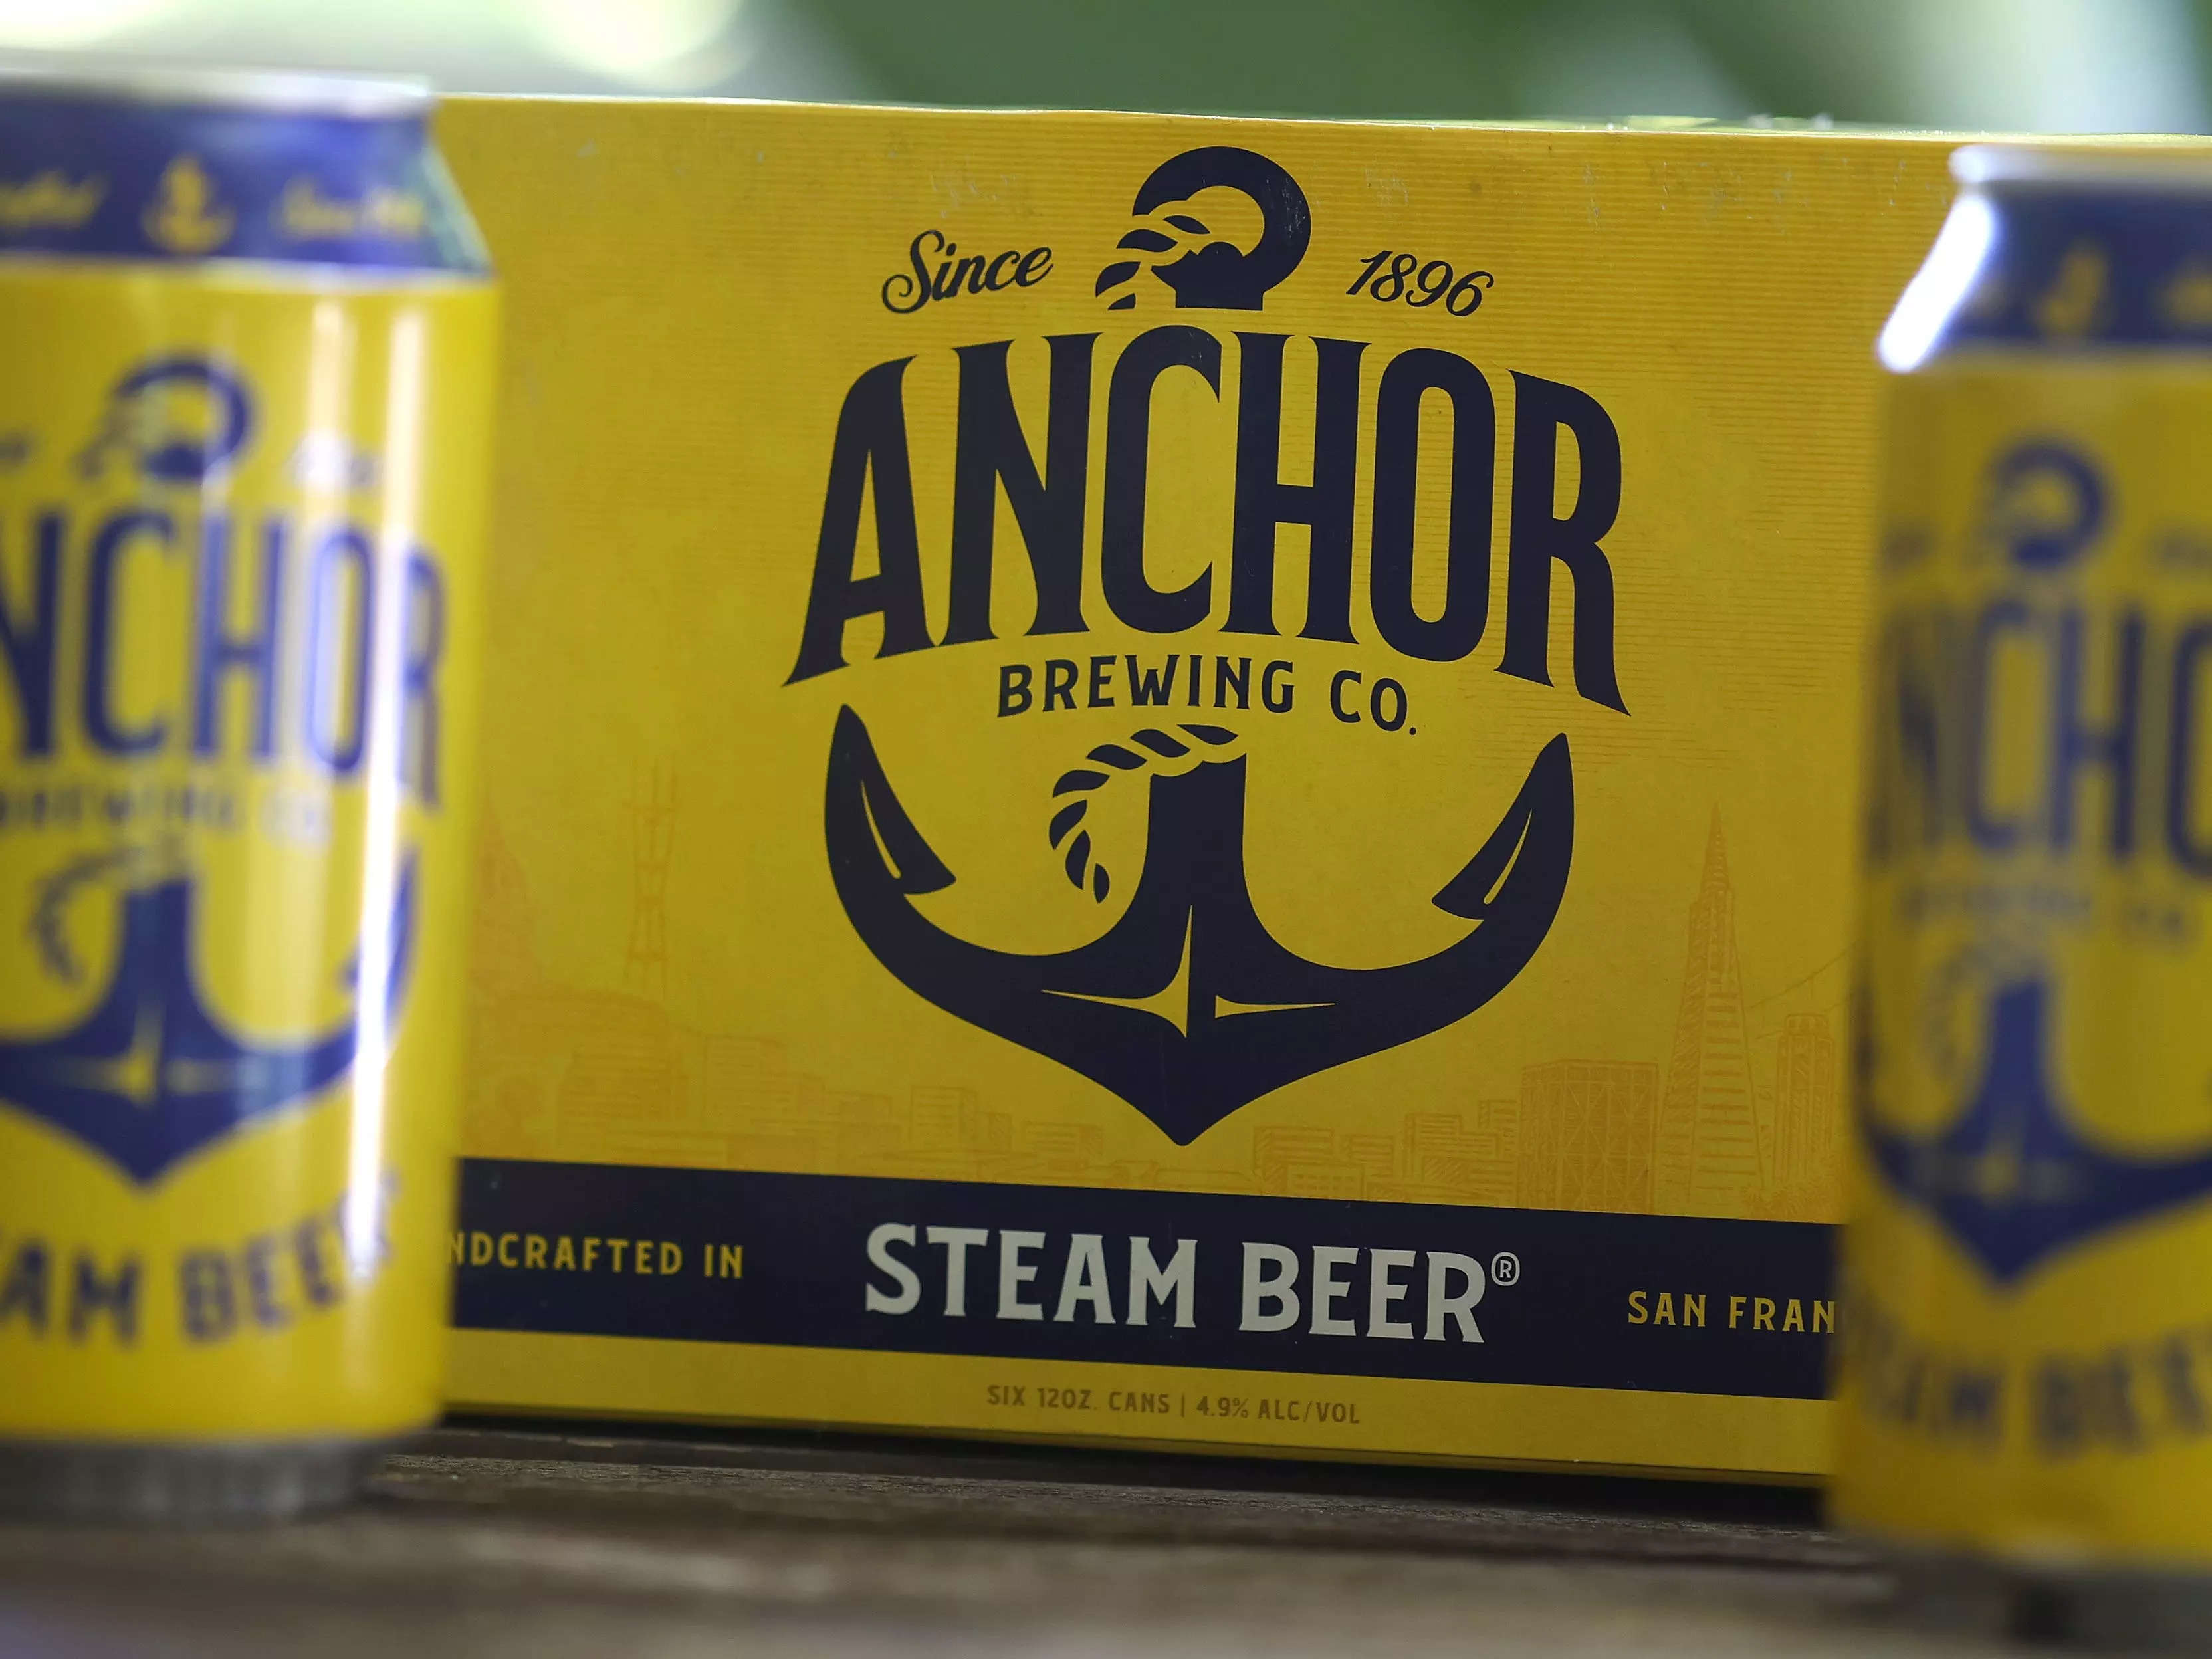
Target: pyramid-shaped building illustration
pixel 1708 1161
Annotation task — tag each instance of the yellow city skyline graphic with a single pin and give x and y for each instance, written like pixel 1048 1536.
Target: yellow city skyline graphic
pixel 1740 1117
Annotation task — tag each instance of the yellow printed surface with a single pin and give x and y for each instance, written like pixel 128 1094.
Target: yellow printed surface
pixel 239 570
pixel 2027 1290
pixel 874 481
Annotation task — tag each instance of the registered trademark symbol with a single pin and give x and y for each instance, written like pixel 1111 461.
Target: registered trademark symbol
pixel 1505 1268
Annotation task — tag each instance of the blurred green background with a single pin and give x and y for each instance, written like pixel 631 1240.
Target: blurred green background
pixel 2057 65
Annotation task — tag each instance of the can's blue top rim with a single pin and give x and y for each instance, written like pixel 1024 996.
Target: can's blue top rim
pixel 2065 253
pixel 91 174
pixel 142 81
pixel 2122 166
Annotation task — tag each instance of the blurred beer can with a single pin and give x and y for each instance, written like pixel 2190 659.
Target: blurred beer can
pixel 2025 1382
pixel 246 340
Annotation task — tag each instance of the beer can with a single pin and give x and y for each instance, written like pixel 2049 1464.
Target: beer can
pixel 2026 1378
pixel 247 338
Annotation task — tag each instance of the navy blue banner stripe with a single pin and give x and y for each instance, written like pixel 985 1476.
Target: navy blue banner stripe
pixel 1569 1298
pixel 2079 267
pixel 182 183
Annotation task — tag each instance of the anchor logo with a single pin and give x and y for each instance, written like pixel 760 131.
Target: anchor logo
pixel 151 1074
pixel 2047 506
pixel 186 215
pixel 1210 271
pixel 178 420
pixel 2011 1181
pixel 1187 1008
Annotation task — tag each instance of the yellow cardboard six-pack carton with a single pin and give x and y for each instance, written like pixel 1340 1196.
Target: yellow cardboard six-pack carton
pixel 1173 780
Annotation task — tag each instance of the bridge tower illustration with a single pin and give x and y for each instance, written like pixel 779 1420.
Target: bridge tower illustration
pixel 1805 1103
pixel 1585 1135
pixel 652 829
pixel 1707 1157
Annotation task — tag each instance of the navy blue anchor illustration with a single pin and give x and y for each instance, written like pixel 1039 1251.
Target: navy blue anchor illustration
pixel 1187 1008
pixel 151 1074
pixel 2010 1180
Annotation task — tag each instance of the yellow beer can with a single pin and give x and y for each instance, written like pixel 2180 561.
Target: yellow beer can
pixel 2026 1370
pixel 246 340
